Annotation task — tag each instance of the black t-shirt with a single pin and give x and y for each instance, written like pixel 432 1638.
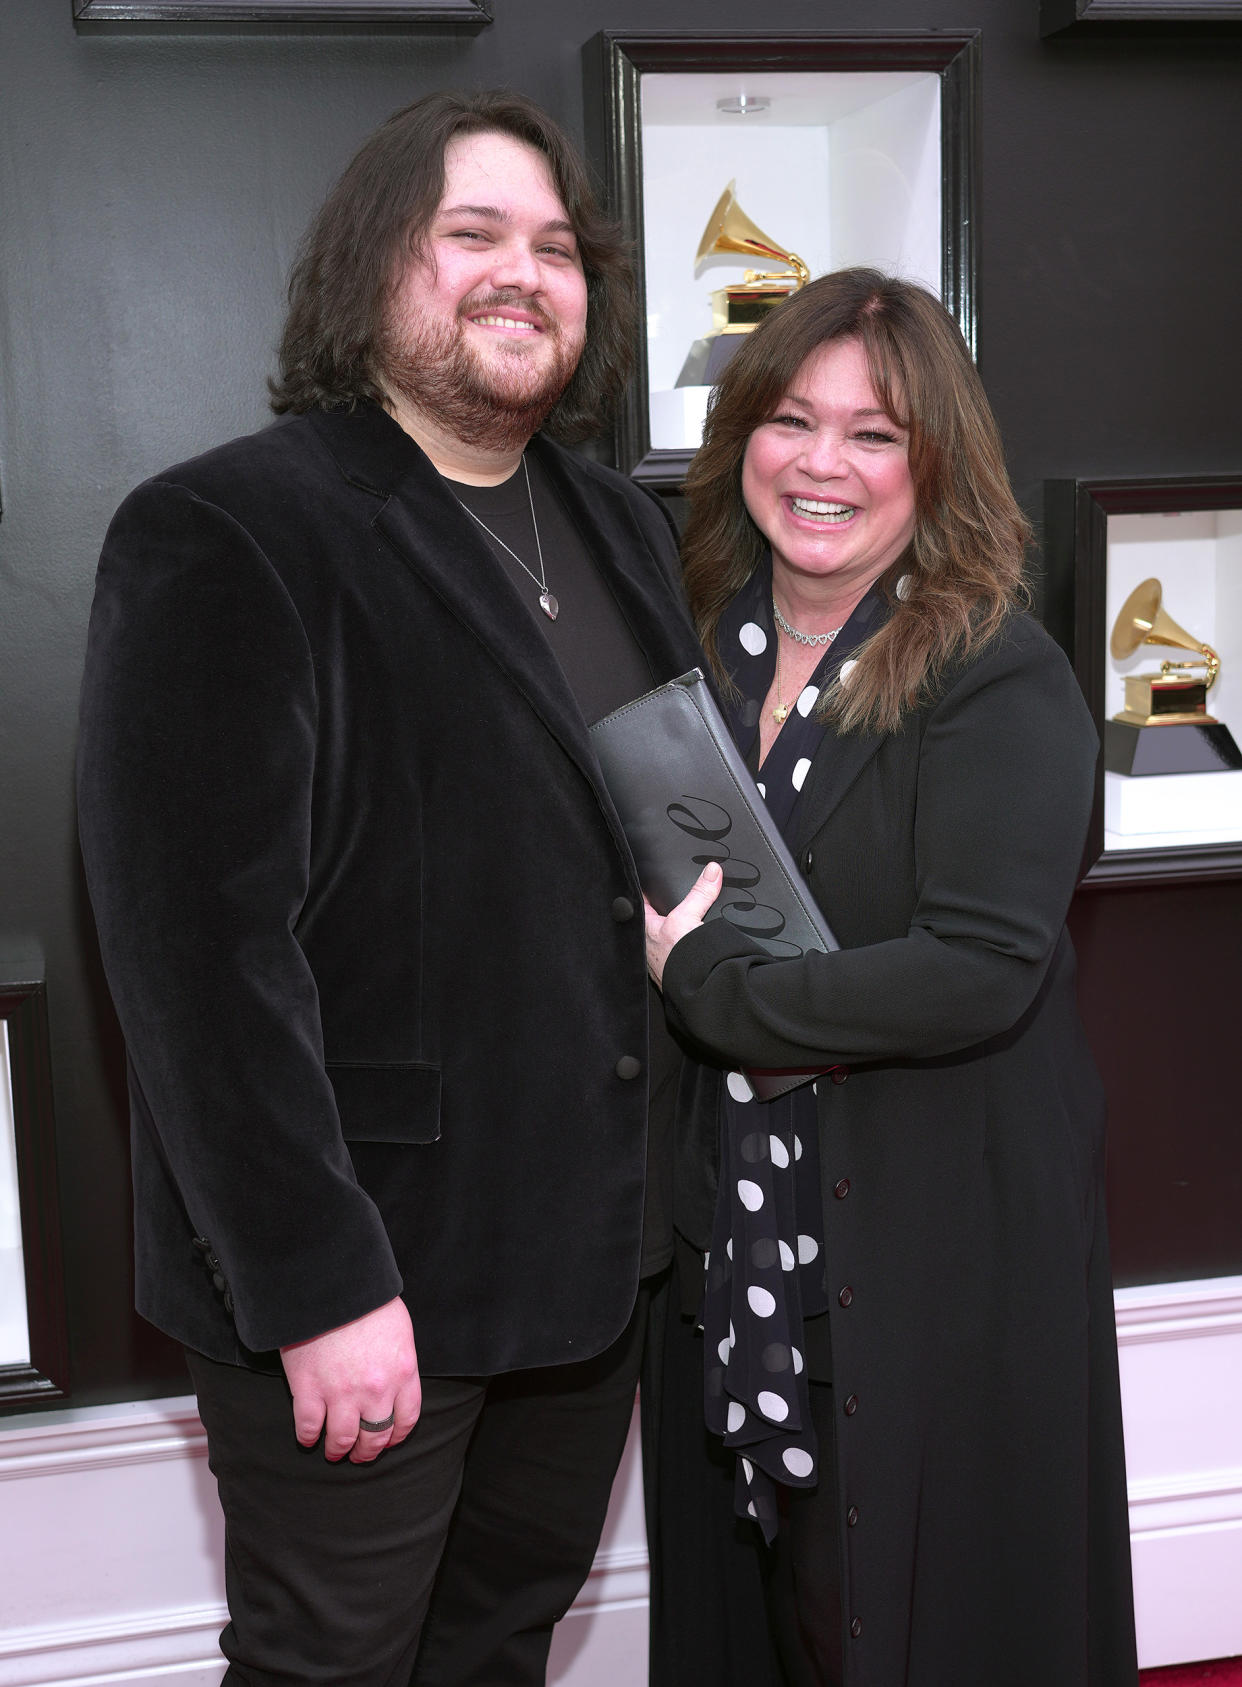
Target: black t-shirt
pixel 605 667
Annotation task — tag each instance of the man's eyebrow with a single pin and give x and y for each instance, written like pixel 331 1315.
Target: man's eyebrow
pixel 494 214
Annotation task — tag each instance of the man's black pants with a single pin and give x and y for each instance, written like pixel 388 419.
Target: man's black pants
pixel 446 1562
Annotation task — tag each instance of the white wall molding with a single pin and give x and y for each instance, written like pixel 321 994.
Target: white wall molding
pixel 118 1504
pixel 97 1438
pixel 1174 1311
pixel 1180 1351
pixel 150 1647
pixel 1159 1504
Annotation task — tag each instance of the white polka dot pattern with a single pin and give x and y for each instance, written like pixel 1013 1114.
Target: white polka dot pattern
pixel 766 1276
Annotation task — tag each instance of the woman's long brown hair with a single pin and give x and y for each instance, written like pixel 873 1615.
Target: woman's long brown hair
pixel 964 565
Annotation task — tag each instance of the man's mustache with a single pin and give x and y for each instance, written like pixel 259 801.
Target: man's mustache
pixel 498 303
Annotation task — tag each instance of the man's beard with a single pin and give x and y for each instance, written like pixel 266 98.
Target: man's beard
pixel 491 405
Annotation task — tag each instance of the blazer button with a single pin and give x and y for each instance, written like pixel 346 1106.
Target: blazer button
pixel 622 910
pixel 629 1066
pixel 838 1074
pixel 846 1295
pixel 851 1516
pixel 841 1189
pixel 856 1628
pixel 851 1405
pixel 808 861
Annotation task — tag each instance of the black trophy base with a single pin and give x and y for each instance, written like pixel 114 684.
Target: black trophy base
pixel 706 359
pixel 1189 748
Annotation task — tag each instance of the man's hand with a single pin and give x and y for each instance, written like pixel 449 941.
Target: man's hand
pixel 663 933
pixel 367 1369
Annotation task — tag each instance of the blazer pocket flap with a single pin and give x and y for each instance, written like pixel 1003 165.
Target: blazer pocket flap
pixel 387 1102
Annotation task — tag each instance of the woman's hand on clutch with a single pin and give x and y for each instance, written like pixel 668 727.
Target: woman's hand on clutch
pixel 663 930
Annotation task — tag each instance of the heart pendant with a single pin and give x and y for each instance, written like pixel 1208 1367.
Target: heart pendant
pixel 549 605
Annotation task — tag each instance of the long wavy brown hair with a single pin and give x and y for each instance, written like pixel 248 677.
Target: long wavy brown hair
pixel 964 565
pixel 373 224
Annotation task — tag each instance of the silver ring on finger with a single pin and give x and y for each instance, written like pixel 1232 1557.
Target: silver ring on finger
pixel 375 1428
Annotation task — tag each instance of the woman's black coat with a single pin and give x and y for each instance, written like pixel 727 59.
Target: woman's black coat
pixel 983 1524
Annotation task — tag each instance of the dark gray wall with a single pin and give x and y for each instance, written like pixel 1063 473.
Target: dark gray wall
pixel 152 189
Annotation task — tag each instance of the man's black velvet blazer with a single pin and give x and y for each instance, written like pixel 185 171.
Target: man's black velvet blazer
pixel 372 929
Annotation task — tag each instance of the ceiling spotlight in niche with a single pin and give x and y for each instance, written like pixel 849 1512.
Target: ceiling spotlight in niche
pixel 744 105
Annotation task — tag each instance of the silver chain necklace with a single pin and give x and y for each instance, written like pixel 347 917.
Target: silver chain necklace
pixel 803 638
pixel 547 602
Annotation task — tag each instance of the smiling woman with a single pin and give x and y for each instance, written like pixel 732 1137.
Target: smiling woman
pixel 874 375
pixel 827 482
pixel 907 1368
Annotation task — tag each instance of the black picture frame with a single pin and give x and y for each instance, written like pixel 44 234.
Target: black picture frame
pixel 1138 17
pixel 457 15
pixel 23 1008
pixel 615 62
pixel 1076 514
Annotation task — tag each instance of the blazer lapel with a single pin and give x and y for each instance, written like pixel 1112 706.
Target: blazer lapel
pixel 434 537
pixel 429 531
pixel 837 763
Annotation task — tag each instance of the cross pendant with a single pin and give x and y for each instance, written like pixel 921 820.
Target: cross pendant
pixel 780 713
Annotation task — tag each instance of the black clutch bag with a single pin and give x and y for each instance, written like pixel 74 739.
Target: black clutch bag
pixel 685 797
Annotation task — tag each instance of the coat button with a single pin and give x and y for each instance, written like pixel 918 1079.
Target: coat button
pixel 218 1279
pixel 846 1295
pixel 851 1405
pixel 808 861
pixel 629 1066
pixel 851 1516
pixel 841 1189
pixel 856 1628
pixel 838 1074
pixel 622 909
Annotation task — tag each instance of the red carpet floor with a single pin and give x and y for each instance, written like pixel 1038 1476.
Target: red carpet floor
pixel 1226 1672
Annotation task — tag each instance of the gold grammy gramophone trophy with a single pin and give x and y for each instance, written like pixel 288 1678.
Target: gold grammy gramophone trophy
pixel 1165 726
pixel 742 305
